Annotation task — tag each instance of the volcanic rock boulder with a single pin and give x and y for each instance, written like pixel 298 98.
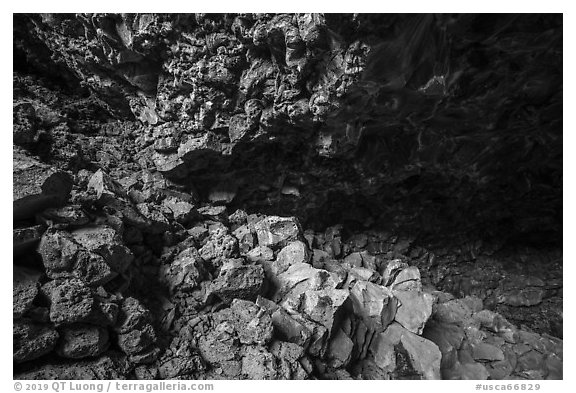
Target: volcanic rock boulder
pixel 25 288
pixel 276 232
pixel 136 336
pixel 238 282
pixel 36 186
pixel 72 301
pixel 375 304
pixel 80 341
pixel 403 355
pixel 32 340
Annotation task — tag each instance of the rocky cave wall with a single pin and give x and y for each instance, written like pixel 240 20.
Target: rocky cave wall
pixel 150 145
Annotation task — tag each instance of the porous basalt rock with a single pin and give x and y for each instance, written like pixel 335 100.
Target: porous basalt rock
pixel 287 196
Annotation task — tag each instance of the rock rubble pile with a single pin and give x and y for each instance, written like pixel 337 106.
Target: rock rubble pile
pixel 287 196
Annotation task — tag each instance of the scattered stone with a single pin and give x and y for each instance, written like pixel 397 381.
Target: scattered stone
pixel 246 239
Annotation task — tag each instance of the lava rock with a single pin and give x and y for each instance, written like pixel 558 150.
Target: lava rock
pixel 80 341
pixel 375 304
pixel 276 232
pixel 251 325
pixel 32 340
pixel 136 336
pixel 36 186
pixel 185 273
pixel 25 288
pixel 242 282
pixel 414 309
pixel 422 356
pixel 106 242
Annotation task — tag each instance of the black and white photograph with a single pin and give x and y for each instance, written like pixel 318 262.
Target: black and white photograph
pixel 287 196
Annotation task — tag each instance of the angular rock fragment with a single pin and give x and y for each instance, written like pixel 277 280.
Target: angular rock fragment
pixel 71 301
pixel 106 242
pixel 32 340
pixel 104 186
pixel 422 357
pixel 36 186
pixel 185 273
pixel 414 309
pixel 63 256
pixel 196 151
pixel 182 360
pixel 288 327
pixel 260 255
pixel 219 247
pixel 276 232
pixel 80 341
pixel 170 165
pixel 252 326
pixel 340 349
pixel 391 270
pixel 242 282
pixel 182 210
pixel 25 286
pixel 259 364
pixel 136 336
pixel 325 306
pixel 219 349
pixel 288 356
pixel 293 253
pixel 375 304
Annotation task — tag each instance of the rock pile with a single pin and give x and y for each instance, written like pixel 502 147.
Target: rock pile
pixel 245 296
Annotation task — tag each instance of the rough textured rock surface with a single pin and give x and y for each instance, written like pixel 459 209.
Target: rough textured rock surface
pixel 287 196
